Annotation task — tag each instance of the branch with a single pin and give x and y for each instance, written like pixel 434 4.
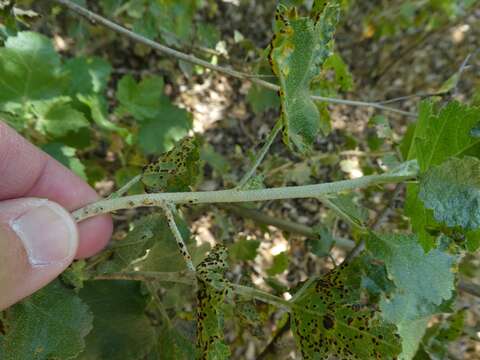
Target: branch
pixel 282 224
pixel 182 277
pixel 95 18
pixel 167 208
pixel 232 196
pixel 263 151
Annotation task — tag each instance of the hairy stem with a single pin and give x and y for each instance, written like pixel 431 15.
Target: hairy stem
pixel 167 208
pixel 261 155
pixel 232 196
pixel 95 18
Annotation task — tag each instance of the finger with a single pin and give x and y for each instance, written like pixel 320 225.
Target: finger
pixel 27 171
pixel 38 240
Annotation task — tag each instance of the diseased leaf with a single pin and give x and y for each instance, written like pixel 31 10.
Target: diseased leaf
pixel 121 330
pixel 50 324
pixel 452 191
pixel 175 170
pixel 330 320
pixel 211 294
pixel 299 49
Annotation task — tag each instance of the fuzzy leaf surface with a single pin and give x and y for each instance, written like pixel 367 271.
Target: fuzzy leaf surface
pixel 452 191
pixel 299 49
pixel 50 324
pixel 423 280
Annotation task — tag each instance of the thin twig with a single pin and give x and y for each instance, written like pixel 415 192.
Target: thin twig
pixel 182 277
pixel 261 154
pixel 125 187
pixel 282 224
pixel 169 209
pixel 408 97
pixel 233 195
pixel 95 18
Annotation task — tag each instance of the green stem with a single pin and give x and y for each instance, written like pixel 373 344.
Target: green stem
pixel 261 155
pixel 182 277
pixel 125 187
pixel 233 195
pixel 168 209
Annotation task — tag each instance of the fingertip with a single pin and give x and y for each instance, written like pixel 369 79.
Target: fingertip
pixel 94 235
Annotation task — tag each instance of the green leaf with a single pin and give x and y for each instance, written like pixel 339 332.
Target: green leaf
pixel 141 100
pixel 121 330
pixel 279 265
pixel 99 112
pixel 29 70
pixel 135 245
pixel 424 281
pixel 244 250
pixel 452 191
pixel 87 75
pixel 261 99
pixel 445 134
pixel 211 294
pixel 437 137
pixel 57 117
pixel 76 274
pixel 50 324
pixel 323 244
pixel 160 134
pixel 438 337
pixel 299 49
pixel 347 208
pixel 173 345
pixel 343 77
pixel 66 156
pixel 175 170
pixel 328 319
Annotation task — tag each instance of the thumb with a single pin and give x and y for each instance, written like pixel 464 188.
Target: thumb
pixel 38 240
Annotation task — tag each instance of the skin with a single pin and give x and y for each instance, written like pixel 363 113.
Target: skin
pixel 27 175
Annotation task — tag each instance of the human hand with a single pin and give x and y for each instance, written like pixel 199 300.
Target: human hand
pixel 38 237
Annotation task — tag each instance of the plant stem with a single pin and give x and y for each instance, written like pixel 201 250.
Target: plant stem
pixel 282 224
pixel 182 277
pixel 261 155
pixel 167 208
pixel 95 18
pixel 233 195
pixel 125 187
pixel 250 292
